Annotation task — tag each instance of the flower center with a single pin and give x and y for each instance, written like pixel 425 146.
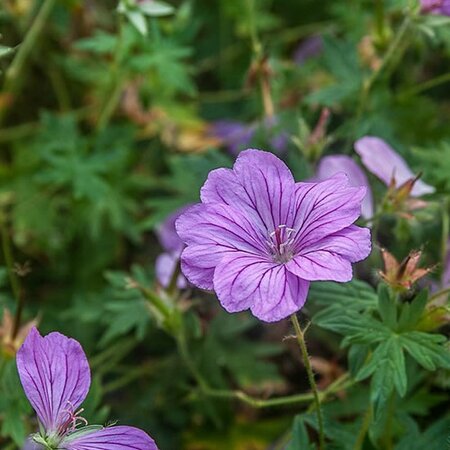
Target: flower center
pixel 281 243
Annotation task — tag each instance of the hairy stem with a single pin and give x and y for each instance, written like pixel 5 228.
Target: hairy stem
pixel 311 379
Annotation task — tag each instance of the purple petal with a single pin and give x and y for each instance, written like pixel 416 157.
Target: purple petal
pixel 330 258
pixel 166 264
pixel 31 445
pixel 211 231
pixel 436 6
pixel 167 234
pixel 244 281
pixel 55 375
pixel 260 186
pixel 446 272
pixel 331 165
pixel 382 160
pixel 325 208
pixel 110 438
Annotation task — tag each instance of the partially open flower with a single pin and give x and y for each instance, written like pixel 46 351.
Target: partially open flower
pixel 55 376
pixel 402 276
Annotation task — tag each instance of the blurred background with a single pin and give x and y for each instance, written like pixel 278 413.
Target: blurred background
pixel 111 116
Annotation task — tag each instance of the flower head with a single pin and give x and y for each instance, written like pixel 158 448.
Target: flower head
pixel 384 162
pixel 258 238
pixel 55 376
pixel 333 164
pixel 308 48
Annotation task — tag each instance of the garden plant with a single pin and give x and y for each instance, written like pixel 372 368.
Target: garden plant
pixel 224 225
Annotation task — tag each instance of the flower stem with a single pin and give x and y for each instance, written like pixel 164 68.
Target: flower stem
pixel 15 286
pixel 312 382
pixel 12 76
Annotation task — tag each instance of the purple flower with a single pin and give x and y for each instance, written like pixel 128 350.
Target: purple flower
pixel 166 263
pixel 333 164
pixel 384 162
pixel 237 136
pixel 441 7
pixel 258 238
pixel 308 48
pixel 55 376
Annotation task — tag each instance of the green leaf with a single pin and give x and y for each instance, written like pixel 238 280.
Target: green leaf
pixel 427 349
pixel 387 306
pixel 412 312
pixel 137 19
pixel 154 8
pixel 300 437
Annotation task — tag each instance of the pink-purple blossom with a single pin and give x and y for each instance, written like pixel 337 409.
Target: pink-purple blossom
pixel 258 238
pixel 310 47
pixel 55 376
pixel 333 164
pixel 441 7
pixel 383 161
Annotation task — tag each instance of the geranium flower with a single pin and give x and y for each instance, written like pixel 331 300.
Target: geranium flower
pixel 166 263
pixel 258 238
pixel 333 164
pixel 441 7
pixel 384 162
pixel 55 376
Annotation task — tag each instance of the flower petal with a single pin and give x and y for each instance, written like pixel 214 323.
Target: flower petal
pixel 55 375
pixel 110 438
pixel 333 164
pixel 244 281
pixel 330 258
pixel 165 266
pixel 384 162
pixel 167 234
pixel 260 186
pixel 325 208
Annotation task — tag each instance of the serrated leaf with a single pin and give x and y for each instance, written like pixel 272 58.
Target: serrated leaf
pixel 412 312
pixel 387 306
pixel 300 437
pixel 427 349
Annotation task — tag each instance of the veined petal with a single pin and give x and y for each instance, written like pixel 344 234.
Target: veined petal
pixel 384 162
pixel 333 164
pixel 110 438
pixel 325 208
pixel 330 258
pixel 260 186
pixel 55 375
pixel 244 281
pixel 220 226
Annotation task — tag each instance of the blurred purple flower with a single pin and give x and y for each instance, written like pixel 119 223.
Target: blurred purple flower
pixel 237 136
pixel 333 164
pixel 445 279
pixel 166 263
pixel 308 48
pixel 55 376
pixel 384 162
pixel 258 238
pixel 441 7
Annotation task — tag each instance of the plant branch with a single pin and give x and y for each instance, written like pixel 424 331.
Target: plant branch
pixel 312 382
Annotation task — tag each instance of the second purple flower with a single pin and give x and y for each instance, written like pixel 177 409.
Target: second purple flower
pixel 258 238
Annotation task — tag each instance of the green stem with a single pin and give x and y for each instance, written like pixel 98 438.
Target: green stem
pixel 12 76
pixel 364 428
pixel 113 93
pixel 367 86
pixel 312 381
pixel 425 86
pixel 379 15
pixel 15 286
